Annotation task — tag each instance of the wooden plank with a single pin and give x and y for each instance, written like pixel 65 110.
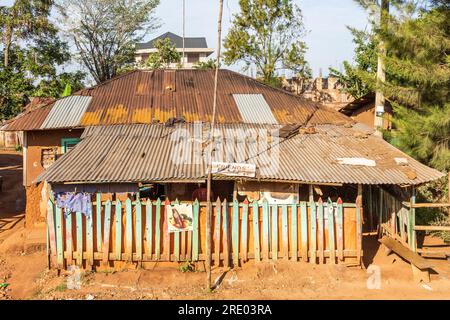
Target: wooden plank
pixel 217 234
pixel 321 232
pixel 79 228
pixel 90 239
pixel 195 234
pixel 69 240
pixel 149 226
pixel 235 233
pixel 98 220
pixel 59 237
pixel 313 233
pixel 406 253
pixel 274 226
pixel 294 232
pixel 244 230
pixel 304 228
pixel 183 236
pixel 359 223
pixel 166 234
pixel 158 230
pixel 128 229
pixel 51 231
pixel 226 234
pixel 412 220
pixel 432 228
pixel 139 230
pixel 176 241
pixel 331 235
pixel 106 232
pixel 285 232
pixel 255 219
pixel 265 230
pixel 340 229
pixel 118 217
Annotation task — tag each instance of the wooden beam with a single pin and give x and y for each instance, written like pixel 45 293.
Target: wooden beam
pixel 432 228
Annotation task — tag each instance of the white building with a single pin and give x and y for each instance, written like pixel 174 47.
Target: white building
pixel 195 49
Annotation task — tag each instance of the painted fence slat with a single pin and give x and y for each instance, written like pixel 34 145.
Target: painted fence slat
pixel 226 235
pixel 79 228
pixel 106 232
pixel 128 230
pixel 51 231
pixel 340 229
pixel 304 226
pixel 284 223
pixel 313 233
pixel 139 230
pixel 255 219
pixel 176 242
pixel 195 235
pixel 321 231
pixel 59 238
pixel 99 220
pixel 265 230
pixel 244 230
pixel 358 234
pixel 158 229
pixel 166 234
pixel 331 238
pixel 217 233
pixel 235 233
pixel 294 232
pixel 69 240
pixel 90 240
pixel 118 217
pixel 149 226
pixel 274 226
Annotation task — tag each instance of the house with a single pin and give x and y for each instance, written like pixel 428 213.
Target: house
pixel 363 110
pixel 196 49
pixel 292 179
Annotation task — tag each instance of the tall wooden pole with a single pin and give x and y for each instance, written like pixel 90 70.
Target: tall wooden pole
pixel 184 17
pixel 381 71
pixel 213 121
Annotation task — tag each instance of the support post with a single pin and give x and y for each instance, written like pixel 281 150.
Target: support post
pixel 412 221
pixel 359 224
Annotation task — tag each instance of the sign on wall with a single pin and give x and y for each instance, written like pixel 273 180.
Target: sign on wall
pixel 234 169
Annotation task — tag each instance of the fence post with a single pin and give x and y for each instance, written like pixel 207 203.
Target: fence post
pixel 412 220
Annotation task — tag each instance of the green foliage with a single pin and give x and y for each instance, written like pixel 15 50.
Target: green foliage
pixel 105 32
pixel 166 54
pixel 267 33
pixel 359 78
pixel 208 65
pixel 32 56
pixel 187 266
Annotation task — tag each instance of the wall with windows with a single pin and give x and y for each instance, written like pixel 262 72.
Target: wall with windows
pixel 42 148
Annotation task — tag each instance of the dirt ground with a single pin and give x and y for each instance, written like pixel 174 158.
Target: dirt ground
pixel 24 273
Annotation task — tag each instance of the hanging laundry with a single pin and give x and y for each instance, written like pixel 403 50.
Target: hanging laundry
pixel 74 202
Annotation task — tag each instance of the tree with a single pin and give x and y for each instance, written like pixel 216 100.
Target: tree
pixel 207 65
pixel 105 31
pixel 32 55
pixel 358 77
pixel 267 33
pixel 166 54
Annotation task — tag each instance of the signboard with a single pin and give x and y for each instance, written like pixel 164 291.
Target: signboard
pixel 234 169
pixel 179 217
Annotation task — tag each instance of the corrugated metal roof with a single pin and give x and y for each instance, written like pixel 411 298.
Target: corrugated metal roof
pixel 254 108
pixel 66 112
pixel 29 120
pixel 156 96
pixel 139 153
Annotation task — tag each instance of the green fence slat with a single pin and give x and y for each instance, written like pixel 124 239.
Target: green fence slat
pixel 129 229
pixel 149 226
pixel 294 232
pixel 340 229
pixel 118 217
pixel 158 230
pixel 195 234
pixel 235 233
pixel 313 233
pixel 226 234
pixel 69 240
pixel 138 229
pixel 304 228
pixel 321 231
pixel 98 210
pixel 106 231
pixel 90 239
pixel 244 230
pixel 255 219
pixel 331 236
pixel 59 238
pixel 274 226
pixel 285 235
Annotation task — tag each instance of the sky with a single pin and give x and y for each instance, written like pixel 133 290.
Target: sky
pixel 328 39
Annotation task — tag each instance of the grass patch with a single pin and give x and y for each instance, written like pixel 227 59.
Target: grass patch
pixel 187 266
pixel 61 287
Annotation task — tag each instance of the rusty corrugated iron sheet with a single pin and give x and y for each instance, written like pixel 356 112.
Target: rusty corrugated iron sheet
pixel 29 120
pixel 143 153
pixel 156 96
pixel 66 112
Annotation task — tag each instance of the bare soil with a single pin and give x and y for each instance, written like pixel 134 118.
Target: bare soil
pixel 24 273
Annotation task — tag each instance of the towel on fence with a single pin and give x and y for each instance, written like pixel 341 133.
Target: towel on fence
pixel 74 202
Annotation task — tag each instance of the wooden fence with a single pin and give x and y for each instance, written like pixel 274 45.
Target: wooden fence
pixel 137 231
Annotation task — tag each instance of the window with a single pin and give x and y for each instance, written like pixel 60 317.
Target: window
pixel 193 57
pixel 48 156
pixel 67 144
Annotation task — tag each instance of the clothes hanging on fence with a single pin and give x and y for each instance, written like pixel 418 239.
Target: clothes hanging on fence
pixel 74 202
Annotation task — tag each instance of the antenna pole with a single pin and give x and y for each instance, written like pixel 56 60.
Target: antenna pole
pixel 208 185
